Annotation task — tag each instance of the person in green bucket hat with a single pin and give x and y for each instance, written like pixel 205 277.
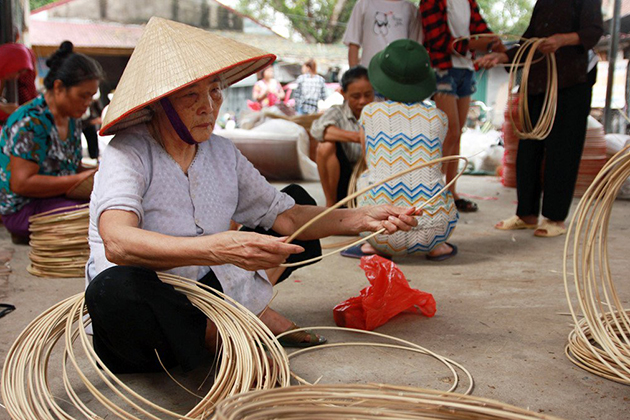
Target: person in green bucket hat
pixel 398 133
pixel 402 72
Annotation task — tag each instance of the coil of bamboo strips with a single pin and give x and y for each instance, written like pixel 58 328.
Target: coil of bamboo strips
pixel 525 56
pixel 600 341
pixel 523 61
pixel 372 401
pixel 398 343
pixel 243 364
pixel 59 242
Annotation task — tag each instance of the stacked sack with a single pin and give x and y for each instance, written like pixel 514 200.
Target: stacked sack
pixel 593 157
pixel 510 143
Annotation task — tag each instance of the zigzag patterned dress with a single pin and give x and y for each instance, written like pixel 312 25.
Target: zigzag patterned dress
pixel 397 137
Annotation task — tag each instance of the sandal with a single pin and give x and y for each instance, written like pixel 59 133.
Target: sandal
pixel 356 252
pixel 551 229
pixel 301 338
pixel 466 206
pixel 515 223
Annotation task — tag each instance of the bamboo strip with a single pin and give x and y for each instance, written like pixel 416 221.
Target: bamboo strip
pixel 243 365
pixel 363 191
pixel 600 341
pixel 371 401
pixel 59 242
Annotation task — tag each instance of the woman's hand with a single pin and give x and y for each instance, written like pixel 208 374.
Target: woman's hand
pixel 250 251
pixel 554 42
pixel 392 218
pixel 491 60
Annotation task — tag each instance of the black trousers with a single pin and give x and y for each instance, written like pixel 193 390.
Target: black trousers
pixel 134 314
pixel 559 154
pixel 345 172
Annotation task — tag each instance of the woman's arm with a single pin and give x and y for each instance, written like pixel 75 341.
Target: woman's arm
pixel 259 93
pixel 345 221
pixel 126 244
pixel 26 181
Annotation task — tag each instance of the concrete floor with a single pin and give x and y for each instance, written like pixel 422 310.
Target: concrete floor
pixel 502 314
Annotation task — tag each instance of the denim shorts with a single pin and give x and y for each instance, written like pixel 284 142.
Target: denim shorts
pixel 457 82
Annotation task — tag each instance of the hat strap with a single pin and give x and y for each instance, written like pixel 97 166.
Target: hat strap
pixel 176 122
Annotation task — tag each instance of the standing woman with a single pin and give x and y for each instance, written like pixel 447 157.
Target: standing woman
pixel 443 21
pixel 40 146
pixel 311 87
pixel 571 29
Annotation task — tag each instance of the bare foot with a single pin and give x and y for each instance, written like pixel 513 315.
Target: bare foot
pixel 275 322
pixel 368 249
pixel 278 324
pixel 442 249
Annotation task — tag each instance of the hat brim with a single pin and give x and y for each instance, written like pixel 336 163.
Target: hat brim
pixel 396 91
pixel 232 74
pixel 170 56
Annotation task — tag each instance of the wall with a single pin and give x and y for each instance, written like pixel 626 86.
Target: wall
pixel 201 13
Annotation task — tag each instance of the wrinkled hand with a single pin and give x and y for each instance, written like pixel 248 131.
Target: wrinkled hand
pixel 392 218
pixel 252 251
pixel 551 44
pixel 491 60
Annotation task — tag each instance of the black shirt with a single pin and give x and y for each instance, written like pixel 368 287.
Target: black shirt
pixel 552 17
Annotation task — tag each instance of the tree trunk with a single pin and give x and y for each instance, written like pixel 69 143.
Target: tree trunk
pixel 334 18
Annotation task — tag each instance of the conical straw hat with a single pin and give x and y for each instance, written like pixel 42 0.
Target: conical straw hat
pixel 169 56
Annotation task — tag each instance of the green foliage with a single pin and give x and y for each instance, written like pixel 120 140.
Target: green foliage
pixel 320 21
pixel 35 4
pixel 507 16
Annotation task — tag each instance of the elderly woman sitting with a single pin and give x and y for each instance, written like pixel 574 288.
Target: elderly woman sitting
pixel 163 199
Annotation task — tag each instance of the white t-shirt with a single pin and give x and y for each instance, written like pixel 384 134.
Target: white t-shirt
pixel 374 24
pixel 458 12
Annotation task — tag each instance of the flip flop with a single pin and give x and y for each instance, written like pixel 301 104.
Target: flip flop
pixel 444 256
pixel 301 339
pixel 355 252
pixel 515 223
pixel 551 228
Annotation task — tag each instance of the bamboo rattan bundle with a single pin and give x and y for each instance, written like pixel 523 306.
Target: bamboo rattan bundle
pixel 336 402
pixel 59 242
pixel 600 342
pixel 243 365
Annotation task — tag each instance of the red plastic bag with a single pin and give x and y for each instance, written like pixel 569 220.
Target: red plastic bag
pixel 387 295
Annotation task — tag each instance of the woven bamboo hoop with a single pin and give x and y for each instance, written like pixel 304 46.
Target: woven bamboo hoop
pixel 243 364
pixel 600 341
pixel 543 127
pixel 401 344
pixel 371 401
pixel 363 191
pixel 59 244
pixel 523 61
